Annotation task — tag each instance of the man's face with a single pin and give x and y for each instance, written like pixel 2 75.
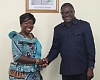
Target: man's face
pixel 67 13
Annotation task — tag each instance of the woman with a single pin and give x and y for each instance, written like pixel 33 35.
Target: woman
pixel 26 51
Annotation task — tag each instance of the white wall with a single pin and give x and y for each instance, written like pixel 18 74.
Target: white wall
pixel 10 10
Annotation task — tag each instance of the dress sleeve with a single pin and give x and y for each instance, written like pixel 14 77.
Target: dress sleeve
pixel 16 49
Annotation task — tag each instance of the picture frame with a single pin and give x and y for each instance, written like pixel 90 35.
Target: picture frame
pixel 42 6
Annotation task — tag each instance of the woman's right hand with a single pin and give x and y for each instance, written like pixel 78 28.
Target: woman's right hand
pixel 42 62
pixel 39 61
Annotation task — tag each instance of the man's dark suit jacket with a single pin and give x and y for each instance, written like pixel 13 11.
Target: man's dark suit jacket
pixel 75 45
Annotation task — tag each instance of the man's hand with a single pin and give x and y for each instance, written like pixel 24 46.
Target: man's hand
pixel 90 73
pixel 45 62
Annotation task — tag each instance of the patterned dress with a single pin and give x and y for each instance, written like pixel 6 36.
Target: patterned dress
pixel 25 47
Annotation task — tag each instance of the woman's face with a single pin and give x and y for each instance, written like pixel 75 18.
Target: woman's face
pixel 27 26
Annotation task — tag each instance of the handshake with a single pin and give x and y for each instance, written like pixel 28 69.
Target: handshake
pixel 42 62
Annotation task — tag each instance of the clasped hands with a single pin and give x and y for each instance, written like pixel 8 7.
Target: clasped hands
pixel 42 62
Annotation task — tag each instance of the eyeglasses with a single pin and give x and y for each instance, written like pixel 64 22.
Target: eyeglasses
pixel 67 12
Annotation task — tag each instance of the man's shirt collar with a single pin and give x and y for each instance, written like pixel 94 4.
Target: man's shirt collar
pixel 74 21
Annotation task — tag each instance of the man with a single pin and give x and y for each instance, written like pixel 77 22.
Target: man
pixel 74 41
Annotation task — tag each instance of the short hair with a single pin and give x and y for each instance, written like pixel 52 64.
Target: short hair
pixel 26 16
pixel 67 4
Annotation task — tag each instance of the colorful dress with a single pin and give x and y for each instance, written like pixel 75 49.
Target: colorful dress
pixel 22 46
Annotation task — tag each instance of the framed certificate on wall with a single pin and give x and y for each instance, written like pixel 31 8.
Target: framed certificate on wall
pixel 42 6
